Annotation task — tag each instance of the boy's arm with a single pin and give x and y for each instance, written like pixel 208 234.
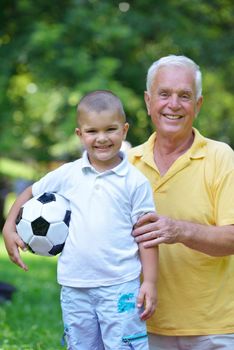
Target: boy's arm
pixel 12 240
pixel 148 291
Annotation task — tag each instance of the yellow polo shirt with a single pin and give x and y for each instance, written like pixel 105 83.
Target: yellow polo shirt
pixel 195 291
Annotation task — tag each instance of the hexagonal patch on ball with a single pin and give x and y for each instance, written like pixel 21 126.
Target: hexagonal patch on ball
pixel 32 210
pixel 40 245
pixel 25 229
pixel 40 226
pixel 57 233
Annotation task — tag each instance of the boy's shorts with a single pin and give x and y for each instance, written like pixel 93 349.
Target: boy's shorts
pixel 103 318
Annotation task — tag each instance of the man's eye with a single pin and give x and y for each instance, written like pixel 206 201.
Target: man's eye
pixel 185 97
pixel 163 94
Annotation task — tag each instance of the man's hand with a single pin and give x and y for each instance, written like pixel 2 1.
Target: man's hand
pixel 153 229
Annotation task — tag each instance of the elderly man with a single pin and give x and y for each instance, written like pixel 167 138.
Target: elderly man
pixel 192 178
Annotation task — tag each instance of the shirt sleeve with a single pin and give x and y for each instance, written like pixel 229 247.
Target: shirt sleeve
pixel 142 201
pixel 224 201
pixel 51 182
pixel 223 185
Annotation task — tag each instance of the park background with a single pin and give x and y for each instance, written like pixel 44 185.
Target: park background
pixel 53 52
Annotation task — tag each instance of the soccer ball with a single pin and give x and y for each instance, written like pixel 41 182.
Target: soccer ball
pixel 43 223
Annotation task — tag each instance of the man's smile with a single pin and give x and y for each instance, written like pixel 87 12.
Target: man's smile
pixel 172 117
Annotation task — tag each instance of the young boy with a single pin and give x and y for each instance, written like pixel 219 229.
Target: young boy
pixel 103 304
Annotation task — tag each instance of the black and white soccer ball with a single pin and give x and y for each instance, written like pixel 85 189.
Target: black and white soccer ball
pixel 43 223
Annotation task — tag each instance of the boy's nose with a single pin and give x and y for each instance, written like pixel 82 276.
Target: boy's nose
pixel 101 137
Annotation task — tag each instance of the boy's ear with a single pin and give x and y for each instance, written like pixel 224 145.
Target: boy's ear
pixel 78 132
pixel 126 127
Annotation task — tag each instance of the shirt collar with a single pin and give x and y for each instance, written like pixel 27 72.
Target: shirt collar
pixel 121 169
pixel 197 150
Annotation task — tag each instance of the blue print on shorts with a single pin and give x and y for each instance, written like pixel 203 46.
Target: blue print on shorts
pixel 126 302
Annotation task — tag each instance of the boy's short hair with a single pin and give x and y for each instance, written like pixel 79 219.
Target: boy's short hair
pixel 101 100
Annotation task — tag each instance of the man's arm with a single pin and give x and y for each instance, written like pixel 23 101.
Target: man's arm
pixel 12 240
pixel 148 291
pixel 153 229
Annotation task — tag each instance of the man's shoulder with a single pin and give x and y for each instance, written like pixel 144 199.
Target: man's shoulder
pixel 136 151
pixel 142 149
pixel 219 148
pixel 134 175
pixel 213 147
pixel 219 157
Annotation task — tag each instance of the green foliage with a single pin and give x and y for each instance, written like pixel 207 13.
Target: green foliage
pixel 32 320
pixel 217 122
pixel 53 53
pixel 16 169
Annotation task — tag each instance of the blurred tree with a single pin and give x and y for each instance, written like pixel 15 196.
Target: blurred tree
pixel 54 52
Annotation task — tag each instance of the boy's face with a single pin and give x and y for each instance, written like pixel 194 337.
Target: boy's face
pixel 101 135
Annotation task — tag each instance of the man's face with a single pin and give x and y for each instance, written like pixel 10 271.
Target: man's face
pixel 172 102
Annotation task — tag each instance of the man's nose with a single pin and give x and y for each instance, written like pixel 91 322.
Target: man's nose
pixel 174 102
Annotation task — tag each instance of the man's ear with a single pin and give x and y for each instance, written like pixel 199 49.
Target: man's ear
pixel 199 104
pixel 147 101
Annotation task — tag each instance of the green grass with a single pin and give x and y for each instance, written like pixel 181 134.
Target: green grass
pixel 32 320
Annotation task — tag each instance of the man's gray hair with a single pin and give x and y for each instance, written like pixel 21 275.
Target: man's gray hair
pixel 174 60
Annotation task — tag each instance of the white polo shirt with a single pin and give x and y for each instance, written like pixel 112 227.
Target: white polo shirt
pixel 100 249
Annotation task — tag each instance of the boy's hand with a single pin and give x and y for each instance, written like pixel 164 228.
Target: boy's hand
pixel 13 242
pixel 147 297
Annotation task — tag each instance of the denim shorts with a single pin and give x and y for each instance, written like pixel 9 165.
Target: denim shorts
pixel 203 342
pixel 103 318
